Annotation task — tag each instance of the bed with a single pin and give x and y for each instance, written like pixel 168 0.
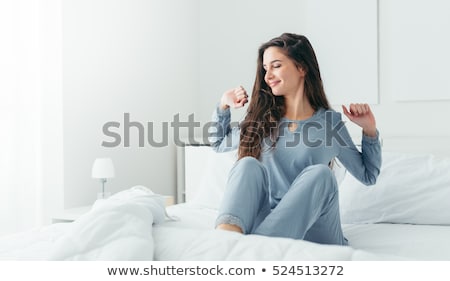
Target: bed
pixel 405 216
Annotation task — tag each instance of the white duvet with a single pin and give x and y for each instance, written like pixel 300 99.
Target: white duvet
pixel 117 228
pixel 132 225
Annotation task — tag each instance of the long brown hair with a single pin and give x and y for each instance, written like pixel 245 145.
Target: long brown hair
pixel 265 109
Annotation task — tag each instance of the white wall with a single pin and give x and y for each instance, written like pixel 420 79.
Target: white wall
pixel 428 117
pixel 230 34
pixel 154 59
pixel 230 41
pixel 138 57
pixel 232 31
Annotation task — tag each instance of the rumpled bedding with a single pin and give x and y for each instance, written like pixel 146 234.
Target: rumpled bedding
pixel 133 225
pixel 116 228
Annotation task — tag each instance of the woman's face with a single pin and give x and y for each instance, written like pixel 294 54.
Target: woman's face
pixel 282 75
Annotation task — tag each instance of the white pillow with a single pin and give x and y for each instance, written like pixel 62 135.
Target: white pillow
pixel 410 189
pixel 214 179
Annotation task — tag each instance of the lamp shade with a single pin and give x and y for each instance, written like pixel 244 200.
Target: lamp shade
pixel 103 168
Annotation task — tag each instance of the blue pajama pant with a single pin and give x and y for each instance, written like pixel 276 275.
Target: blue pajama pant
pixel 308 211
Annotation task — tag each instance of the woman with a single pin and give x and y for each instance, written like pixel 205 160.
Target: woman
pixel 282 184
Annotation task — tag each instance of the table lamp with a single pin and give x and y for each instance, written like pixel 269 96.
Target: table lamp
pixel 103 169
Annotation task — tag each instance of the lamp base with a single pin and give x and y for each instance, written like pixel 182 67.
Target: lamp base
pixel 103 195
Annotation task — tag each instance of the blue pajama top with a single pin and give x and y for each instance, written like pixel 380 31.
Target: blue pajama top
pixel 316 140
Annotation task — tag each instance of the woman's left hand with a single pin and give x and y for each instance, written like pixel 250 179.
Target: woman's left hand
pixel 360 114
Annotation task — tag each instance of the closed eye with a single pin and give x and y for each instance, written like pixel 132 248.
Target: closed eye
pixel 274 64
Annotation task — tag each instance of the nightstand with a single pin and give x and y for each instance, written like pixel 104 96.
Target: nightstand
pixel 169 200
pixel 69 215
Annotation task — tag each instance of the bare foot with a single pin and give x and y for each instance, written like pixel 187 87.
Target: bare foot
pixel 230 227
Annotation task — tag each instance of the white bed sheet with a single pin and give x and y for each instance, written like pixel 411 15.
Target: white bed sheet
pixel 384 241
pixel 415 242
pixel 174 241
pixel 192 237
pixel 32 245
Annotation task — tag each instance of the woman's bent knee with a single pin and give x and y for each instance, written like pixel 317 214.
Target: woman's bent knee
pixel 249 163
pixel 250 167
pixel 320 175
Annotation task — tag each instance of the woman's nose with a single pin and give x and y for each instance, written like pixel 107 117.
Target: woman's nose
pixel 268 75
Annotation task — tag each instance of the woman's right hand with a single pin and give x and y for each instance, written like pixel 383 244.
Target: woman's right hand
pixel 234 98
